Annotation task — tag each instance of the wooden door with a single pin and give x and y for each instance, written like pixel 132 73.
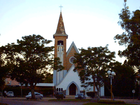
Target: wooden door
pixel 72 89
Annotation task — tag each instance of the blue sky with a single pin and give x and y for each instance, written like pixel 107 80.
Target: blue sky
pixel 89 23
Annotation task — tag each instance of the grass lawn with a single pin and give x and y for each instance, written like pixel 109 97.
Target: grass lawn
pixel 101 102
pixel 106 104
pixel 3 104
pixel 71 100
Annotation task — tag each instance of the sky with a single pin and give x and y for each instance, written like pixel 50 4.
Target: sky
pixel 89 23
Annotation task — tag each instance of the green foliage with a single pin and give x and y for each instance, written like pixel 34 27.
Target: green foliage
pixel 59 96
pixel 29 60
pixel 130 22
pixel 48 78
pixel 3 73
pixel 132 52
pixel 91 94
pixel 93 62
pixel 125 75
pixel 57 64
pixel 3 70
pixel 17 90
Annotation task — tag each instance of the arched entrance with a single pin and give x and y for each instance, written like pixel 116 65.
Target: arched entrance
pixel 72 89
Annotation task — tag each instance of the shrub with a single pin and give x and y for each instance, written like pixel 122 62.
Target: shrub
pixel 59 95
pixel 91 94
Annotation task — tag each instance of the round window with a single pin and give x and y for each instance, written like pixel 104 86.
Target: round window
pixel 71 60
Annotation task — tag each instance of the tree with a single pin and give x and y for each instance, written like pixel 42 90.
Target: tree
pixel 2 73
pixel 3 70
pixel 30 59
pixel 48 78
pixel 130 22
pixel 93 64
pixel 125 75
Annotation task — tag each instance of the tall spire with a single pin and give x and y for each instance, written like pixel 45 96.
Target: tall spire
pixel 60 31
pixel 60 26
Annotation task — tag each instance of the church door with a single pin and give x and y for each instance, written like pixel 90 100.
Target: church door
pixel 72 89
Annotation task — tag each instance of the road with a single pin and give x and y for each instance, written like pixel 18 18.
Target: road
pixel 44 101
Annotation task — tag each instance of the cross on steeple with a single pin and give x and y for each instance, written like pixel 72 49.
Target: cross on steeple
pixel 60 8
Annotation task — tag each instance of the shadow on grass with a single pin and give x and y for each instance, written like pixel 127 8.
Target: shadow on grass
pixel 90 102
pixel 70 100
pixel 3 104
pixel 105 104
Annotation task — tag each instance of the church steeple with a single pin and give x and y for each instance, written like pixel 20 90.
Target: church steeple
pixel 60 31
pixel 60 41
pixel 60 49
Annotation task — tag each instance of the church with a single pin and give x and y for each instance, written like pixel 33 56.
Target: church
pixel 67 80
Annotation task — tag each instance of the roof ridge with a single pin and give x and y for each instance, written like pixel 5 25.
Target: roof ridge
pixel 72 45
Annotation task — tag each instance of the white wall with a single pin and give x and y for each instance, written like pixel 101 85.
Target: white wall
pixel 70 76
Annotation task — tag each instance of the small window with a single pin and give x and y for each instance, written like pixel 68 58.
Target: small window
pixel 61 89
pixel 60 42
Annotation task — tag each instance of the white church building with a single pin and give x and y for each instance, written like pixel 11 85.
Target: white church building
pixel 67 80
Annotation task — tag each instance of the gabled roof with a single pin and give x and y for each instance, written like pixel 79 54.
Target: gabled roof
pixel 60 31
pixel 71 46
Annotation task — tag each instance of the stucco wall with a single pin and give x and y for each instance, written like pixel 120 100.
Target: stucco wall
pixel 71 77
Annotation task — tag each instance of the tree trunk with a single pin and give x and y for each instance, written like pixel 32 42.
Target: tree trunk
pixel 94 84
pixel 21 89
pixel 98 92
pixel 32 91
pixel 139 92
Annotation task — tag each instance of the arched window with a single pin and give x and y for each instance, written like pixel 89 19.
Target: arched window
pixel 61 89
pixel 60 42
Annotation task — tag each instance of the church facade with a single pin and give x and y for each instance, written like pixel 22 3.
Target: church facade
pixel 67 80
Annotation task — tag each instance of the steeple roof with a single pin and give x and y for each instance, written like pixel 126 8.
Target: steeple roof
pixel 60 31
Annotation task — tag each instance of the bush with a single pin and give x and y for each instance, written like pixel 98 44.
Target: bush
pixel 16 90
pixel 91 94
pixel 59 95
